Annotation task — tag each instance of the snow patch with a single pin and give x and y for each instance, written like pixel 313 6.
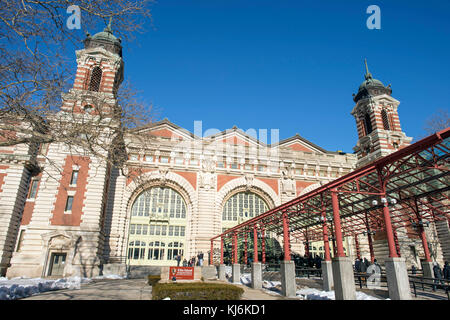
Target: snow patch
pixel 22 287
pixel 314 294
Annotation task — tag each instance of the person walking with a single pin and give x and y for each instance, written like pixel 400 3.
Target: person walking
pixel 363 266
pixel 413 270
pixel 446 271
pixel 377 266
pixel 437 275
pixel 366 263
pixel 200 259
pixel 357 265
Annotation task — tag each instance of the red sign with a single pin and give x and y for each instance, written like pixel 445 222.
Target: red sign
pixel 181 273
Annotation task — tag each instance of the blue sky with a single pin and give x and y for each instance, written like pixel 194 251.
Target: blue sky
pixel 290 65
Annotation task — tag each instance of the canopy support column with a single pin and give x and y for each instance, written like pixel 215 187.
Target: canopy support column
pixel 344 280
pixel 287 268
pixel 327 271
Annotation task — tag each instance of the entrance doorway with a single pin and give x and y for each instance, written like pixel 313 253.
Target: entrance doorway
pixel 57 263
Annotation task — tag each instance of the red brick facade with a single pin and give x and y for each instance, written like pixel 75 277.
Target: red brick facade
pixel 73 218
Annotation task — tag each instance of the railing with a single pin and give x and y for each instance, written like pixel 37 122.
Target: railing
pixel 301 271
pixel 117 259
pixel 416 282
pixel 433 283
pixel 272 267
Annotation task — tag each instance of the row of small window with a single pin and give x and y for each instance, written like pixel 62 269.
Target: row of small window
pixel 155 250
pixel 163 159
pixel 260 168
pixel 157 230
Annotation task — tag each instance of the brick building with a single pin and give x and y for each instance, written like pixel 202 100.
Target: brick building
pixel 81 215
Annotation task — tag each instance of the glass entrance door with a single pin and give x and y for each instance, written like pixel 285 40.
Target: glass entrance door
pixel 58 261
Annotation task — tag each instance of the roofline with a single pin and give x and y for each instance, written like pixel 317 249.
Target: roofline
pixel 420 145
pixel 231 130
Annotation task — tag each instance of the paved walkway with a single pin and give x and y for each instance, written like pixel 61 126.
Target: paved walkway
pixel 121 289
pixel 127 289
pixel 138 289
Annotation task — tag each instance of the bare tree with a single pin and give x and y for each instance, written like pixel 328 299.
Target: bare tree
pixel 438 121
pixel 35 72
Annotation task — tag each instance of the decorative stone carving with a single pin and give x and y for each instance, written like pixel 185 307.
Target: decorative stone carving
pixel 207 175
pixel 60 242
pixel 287 180
pixel 248 181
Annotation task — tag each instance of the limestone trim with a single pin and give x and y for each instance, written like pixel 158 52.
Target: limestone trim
pixel 167 179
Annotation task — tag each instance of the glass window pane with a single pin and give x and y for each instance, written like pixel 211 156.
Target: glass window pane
pixel 74 178
pixel 69 203
pixel 33 189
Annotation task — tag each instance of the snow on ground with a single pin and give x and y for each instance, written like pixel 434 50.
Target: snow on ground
pixel 314 294
pixel 273 288
pixel 228 271
pixel 21 287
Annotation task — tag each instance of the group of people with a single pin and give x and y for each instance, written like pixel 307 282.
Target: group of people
pixel 440 274
pixel 361 265
pixel 194 261
pixel 308 261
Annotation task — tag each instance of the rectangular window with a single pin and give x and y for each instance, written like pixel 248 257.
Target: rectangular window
pixel 163 230
pixel 152 230
pixel 33 189
pixel 144 229
pixel 133 157
pixel 69 203
pixel 220 165
pixel 261 168
pixel 74 179
pixel 248 167
pixel 148 158
pixel 158 230
pixel 234 166
pixel 179 160
pixel 177 231
pixel 170 231
pixel 164 160
pixel 194 162
pixel 182 231
pixel 132 229
pixel 138 229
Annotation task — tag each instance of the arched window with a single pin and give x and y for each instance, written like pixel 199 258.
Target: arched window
pixel 96 78
pixel 241 207
pixel 159 201
pixel 158 218
pixel 385 119
pixel 367 123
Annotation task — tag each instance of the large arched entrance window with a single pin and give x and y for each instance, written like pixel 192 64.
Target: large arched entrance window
pixel 241 207
pixel 157 231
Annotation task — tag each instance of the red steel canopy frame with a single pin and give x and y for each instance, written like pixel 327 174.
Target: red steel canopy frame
pixel 404 189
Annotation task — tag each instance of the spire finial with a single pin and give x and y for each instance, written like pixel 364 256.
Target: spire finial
pixel 108 28
pixel 368 74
